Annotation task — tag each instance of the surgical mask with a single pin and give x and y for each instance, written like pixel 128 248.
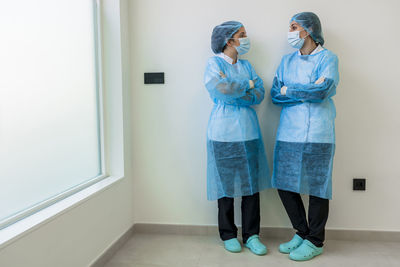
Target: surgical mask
pixel 294 39
pixel 244 46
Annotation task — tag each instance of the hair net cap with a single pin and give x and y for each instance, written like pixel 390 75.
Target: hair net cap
pixel 311 23
pixel 222 33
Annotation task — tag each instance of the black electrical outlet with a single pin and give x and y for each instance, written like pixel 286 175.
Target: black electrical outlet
pixel 359 184
pixel 154 78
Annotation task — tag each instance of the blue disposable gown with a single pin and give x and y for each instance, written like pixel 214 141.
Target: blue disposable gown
pixel 305 142
pixel 236 160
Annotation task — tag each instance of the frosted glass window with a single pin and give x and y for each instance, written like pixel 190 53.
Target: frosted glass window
pixel 49 111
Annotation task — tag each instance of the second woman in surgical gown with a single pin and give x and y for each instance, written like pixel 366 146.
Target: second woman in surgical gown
pixel 304 85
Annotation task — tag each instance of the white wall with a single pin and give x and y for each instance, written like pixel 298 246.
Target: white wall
pixel 169 149
pixel 81 234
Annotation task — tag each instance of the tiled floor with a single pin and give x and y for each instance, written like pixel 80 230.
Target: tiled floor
pixel 151 250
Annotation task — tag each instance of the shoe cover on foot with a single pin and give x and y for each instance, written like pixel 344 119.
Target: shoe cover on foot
pixel 291 245
pixel 255 245
pixel 233 245
pixel 305 252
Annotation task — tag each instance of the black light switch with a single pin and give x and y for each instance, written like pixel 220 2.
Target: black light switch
pixel 359 184
pixel 153 77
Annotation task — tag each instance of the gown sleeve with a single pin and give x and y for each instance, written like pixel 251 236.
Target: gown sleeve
pixel 276 96
pixel 223 88
pixel 255 95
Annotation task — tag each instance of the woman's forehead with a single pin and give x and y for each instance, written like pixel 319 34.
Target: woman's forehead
pixel 294 23
pixel 241 29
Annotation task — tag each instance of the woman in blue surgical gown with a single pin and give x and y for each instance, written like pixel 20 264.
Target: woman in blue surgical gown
pixel 236 161
pixel 304 85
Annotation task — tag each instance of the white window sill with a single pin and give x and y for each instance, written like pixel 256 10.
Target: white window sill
pixel 22 227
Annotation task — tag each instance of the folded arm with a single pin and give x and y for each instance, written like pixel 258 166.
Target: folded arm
pixel 222 87
pixel 255 95
pixel 311 92
pixel 277 97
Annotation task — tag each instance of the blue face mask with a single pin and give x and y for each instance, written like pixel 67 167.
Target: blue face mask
pixel 294 39
pixel 244 46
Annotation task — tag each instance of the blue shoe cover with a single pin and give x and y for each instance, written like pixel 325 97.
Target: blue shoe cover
pixel 305 252
pixel 255 245
pixel 233 245
pixel 291 245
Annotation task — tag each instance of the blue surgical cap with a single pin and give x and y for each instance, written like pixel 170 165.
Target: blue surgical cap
pixel 222 33
pixel 310 22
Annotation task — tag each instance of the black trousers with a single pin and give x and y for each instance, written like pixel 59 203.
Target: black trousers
pixel 318 209
pixel 250 217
